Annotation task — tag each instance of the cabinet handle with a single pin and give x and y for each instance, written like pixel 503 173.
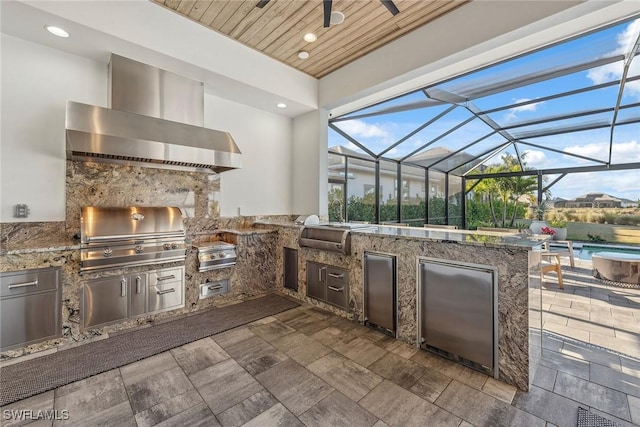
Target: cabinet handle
pixel 123 287
pixel 336 276
pixel 320 273
pixel 24 285
pixel 138 285
pixel 166 291
pixel 214 288
pixel 160 279
pixel 333 288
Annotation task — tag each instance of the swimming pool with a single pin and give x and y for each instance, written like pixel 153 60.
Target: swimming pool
pixel 587 250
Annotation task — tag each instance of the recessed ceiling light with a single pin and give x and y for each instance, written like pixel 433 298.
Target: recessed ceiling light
pixel 281 105
pixel 310 37
pixel 56 31
pixel 303 54
pixel 336 18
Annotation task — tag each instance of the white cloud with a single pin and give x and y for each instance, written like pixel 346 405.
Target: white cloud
pixel 513 112
pixel 613 71
pixel 535 159
pixel 360 129
pixel 623 152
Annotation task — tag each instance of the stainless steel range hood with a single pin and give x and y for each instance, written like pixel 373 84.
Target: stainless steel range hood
pixel 155 120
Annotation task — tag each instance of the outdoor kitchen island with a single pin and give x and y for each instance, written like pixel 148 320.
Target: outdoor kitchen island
pixel 513 258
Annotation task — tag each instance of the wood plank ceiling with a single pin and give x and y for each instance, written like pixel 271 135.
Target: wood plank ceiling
pixel 277 29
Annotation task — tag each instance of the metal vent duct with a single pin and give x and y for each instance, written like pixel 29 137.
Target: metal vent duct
pixel 155 121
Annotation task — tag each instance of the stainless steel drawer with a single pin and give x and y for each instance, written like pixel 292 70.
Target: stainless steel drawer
pixel 166 296
pixel 166 275
pixel 166 289
pixel 29 318
pixel 28 281
pixel 337 286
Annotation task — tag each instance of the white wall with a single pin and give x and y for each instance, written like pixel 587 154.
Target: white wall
pixel 263 185
pixel 309 186
pixel 36 83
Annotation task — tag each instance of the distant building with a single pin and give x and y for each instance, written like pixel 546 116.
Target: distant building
pixel 557 202
pixel 596 200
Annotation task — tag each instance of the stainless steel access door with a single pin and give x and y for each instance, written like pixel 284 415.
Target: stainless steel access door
pixel 380 290
pixel 458 309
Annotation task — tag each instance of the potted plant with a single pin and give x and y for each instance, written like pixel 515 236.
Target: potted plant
pixel 548 230
pixel 560 228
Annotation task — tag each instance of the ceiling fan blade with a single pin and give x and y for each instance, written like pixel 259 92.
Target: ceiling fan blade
pixel 390 6
pixel 262 3
pixel 327 12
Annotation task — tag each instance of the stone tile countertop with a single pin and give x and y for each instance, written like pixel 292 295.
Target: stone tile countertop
pixel 42 244
pixel 471 237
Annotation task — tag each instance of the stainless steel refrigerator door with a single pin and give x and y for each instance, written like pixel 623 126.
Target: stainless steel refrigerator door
pixel 458 307
pixel 380 290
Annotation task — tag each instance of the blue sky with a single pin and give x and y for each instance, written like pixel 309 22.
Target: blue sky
pixel 379 132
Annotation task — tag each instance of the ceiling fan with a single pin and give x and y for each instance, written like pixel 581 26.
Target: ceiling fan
pixel 327 8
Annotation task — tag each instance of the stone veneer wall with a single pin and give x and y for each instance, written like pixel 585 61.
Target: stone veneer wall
pixel 512 266
pixel 197 194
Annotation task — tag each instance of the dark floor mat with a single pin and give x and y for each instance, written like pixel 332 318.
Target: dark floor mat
pixel 48 372
pixel 587 418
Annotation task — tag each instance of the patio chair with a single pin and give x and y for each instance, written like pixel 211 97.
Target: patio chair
pixel 566 249
pixel 550 262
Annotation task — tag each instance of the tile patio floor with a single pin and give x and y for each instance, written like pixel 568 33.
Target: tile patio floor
pixel 308 367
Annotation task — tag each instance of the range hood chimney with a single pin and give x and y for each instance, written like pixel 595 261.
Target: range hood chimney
pixel 155 120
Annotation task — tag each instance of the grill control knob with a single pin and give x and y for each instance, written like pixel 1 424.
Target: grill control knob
pixel 174 246
pixel 166 246
pixel 107 252
pixel 221 255
pixel 139 249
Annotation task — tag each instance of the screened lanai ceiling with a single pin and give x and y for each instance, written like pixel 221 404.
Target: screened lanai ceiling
pixel 571 107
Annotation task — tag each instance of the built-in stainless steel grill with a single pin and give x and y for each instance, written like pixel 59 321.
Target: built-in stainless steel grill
pixel 134 236
pixel 213 255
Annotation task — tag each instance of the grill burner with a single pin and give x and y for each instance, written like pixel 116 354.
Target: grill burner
pixel 119 237
pixel 213 255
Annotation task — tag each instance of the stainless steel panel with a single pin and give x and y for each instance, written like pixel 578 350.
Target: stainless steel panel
pixel 144 89
pixel 290 259
pixel 28 281
pixel 458 305
pixel 337 282
pixel 29 318
pixel 99 224
pixel 137 294
pixel 380 290
pixel 104 300
pixel 104 135
pixel 316 280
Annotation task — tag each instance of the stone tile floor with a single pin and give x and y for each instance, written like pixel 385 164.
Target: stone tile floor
pixel 309 367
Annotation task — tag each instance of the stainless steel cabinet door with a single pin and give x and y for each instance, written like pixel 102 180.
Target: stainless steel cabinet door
pixel 104 300
pixel 380 290
pixel 316 287
pixel 138 294
pixel 29 318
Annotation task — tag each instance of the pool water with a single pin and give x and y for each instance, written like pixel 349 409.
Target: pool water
pixel 587 250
